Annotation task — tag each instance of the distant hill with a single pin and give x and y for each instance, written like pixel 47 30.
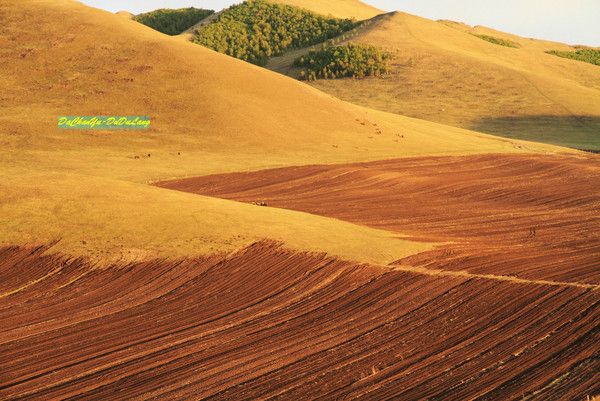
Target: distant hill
pixel 443 71
pixel 452 73
pixel 125 14
pixel 337 8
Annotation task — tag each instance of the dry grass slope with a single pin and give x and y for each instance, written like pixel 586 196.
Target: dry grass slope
pixel 337 8
pixel 210 114
pixel 444 73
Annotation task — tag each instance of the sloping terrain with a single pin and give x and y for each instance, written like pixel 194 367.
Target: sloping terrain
pixel 112 288
pixel 210 114
pixel 521 216
pixel 268 323
pixel 173 21
pixel 337 8
pixel 442 72
pixel 189 33
pixel 125 14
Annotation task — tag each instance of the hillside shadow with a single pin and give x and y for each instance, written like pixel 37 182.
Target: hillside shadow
pixel 579 132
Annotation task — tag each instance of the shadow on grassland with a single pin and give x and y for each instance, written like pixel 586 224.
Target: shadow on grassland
pixel 579 132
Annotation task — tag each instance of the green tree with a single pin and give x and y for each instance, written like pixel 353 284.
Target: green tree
pixel 256 30
pixel 350 60
pixel 173 22
pixel 587 55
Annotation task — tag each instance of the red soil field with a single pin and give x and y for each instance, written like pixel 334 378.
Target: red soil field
pixel 534 217
pixel 269 323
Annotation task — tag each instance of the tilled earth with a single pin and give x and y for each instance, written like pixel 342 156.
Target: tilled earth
pixel 506 307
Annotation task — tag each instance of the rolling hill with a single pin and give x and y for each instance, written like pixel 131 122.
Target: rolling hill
pixel 264 239
pixel 338 8
pixel 210 114
pixel 443 72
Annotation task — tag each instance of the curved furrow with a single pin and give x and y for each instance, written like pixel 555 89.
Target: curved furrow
pixel 266 322
pixel 529 216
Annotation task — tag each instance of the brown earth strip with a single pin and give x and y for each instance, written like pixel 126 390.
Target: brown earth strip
pixel 266 322
pixel 528 216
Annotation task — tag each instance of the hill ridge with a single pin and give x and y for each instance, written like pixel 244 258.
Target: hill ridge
pixel 448 75
pixel 338 8
pixel 210 114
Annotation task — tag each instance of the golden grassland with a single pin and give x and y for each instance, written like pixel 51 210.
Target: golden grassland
pixel 442 72
pixel 338 8
pixel 210 114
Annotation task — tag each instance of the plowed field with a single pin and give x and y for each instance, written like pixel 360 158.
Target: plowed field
pixel 268 323
pixel 532 217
